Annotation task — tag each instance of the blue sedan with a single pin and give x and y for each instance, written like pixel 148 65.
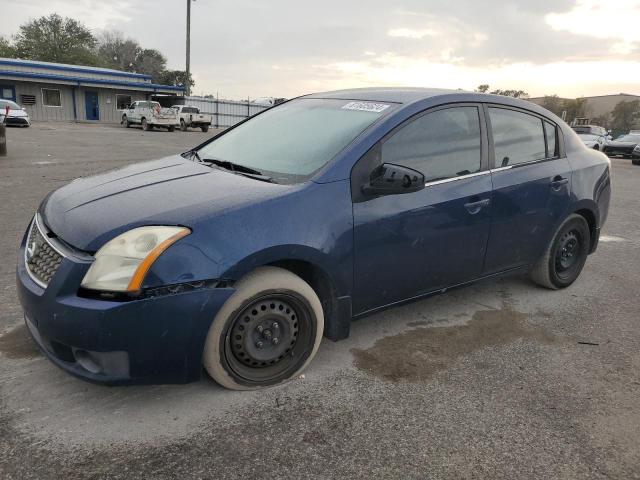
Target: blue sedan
pixel 241 254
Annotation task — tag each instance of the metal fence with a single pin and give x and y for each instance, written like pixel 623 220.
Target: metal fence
pixel 225 113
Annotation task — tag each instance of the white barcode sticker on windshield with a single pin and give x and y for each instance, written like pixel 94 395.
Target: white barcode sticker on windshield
pixel 366 106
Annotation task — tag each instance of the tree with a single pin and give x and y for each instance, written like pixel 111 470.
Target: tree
pixel 176 78
pixel 151 62
pixel 6 49
pixel 118 52
pixel 553 103
pixel 56 39
pixel 575 108
pixel 625 115
pixel 484 88
pixel 511 93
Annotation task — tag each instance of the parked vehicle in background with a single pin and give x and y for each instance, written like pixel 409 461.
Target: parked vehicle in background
pixel 591 140
pixel 623 146
pixel 635 156
pixel 240 254
pixel 591 129
pixel 149 114
pixel 17 115
pixel 191 117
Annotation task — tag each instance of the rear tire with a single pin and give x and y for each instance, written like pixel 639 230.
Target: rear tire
pixel 596 148
pixel 204 128
pixel 145 126
pixel 635 161
pixel 125 122
pixel 171 128
pixel 266 333
pixel 565 256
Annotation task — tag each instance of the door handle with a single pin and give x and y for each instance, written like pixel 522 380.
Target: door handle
pixel 558 182
pixel 476 206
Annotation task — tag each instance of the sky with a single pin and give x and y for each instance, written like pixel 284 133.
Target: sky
pixel 284 48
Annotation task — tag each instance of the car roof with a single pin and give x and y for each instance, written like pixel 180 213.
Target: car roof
pixel 386 94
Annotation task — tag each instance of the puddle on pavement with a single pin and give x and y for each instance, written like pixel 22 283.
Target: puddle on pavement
pixel 17 343
pixel 416 355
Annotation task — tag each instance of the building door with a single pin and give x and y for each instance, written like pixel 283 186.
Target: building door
pixel 91 105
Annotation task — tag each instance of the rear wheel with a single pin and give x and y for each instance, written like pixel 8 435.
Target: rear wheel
pixel 183 125
pixel 596 148
pixel 145 126
pixel 565 256
pixel 125 122
pixel 635 161
pixel 171 128
pixel 266 333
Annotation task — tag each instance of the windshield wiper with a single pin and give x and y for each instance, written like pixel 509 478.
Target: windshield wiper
pixel 238 169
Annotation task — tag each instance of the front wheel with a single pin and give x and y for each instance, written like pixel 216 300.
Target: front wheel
pixel 125 122
pixel 565 256
pixel 183 125
pixel 204 128
pixel 635 161
pixel 596 148
pixel 145 126
pixel 266 333
pixel 171 128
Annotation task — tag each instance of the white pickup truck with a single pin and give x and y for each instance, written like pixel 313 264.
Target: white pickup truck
pixel 149 114
pixel 191 117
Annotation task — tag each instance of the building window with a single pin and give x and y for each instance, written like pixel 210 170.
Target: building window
pixel 51 97
pixel 123 101
pixel 7 92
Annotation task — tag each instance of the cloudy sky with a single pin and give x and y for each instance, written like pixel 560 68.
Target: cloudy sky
pixel 256 48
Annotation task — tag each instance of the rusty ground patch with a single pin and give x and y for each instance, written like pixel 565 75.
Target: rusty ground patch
pixel 416 355
pixel 17 343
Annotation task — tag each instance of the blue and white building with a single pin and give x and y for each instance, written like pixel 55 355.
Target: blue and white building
pixel 54 91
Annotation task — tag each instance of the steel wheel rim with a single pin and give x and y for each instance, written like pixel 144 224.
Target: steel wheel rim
pixel 568 253
pixel 269 339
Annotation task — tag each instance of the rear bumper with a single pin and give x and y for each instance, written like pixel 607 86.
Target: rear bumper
pixel 152 340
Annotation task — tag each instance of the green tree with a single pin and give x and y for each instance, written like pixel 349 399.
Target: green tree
pixel 6 49
pixel 118 52
pixel 151 62
pixel 575 108
pixel 176 78
pixel 511 93
pixel 56 39
pixel 484 88
pixel 553 103
pixel 625 115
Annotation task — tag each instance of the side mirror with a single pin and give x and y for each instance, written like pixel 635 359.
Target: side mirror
pixel 390 179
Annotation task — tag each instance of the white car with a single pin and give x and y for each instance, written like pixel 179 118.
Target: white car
pixel 149 114
pixel 17 115
pixel 595 141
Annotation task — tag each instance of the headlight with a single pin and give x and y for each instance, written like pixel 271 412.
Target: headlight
pixel 122 263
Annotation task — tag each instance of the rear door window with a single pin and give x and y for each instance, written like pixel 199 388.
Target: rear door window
pixel 441 144
pixel 517 137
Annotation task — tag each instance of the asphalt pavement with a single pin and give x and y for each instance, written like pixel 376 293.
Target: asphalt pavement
pixel 501 379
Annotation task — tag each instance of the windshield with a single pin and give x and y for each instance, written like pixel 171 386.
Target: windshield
pixel 12 105
pixel 588 136
pixel 295 139
pixel 628 138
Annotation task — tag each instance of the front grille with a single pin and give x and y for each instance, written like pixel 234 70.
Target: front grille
pixel 41 258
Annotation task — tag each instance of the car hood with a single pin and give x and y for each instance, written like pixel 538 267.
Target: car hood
pixel 18 113
pixel 90 211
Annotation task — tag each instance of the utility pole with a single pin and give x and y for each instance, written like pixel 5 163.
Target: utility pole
pixel 188 69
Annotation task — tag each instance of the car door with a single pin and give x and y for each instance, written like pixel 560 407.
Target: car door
pixel 414 243
pixel 531 186
pixel 133 113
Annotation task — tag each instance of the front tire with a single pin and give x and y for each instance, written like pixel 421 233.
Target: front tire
pixel 204 128
pixel 635 161
pixel 267 332
pixel 171 128
pixel 125 122
pixel 183 125
pixel 565 256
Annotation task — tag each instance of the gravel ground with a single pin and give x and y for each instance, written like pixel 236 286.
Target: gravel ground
pixel 501 379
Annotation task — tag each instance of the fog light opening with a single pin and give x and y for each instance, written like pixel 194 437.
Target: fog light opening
pixel 86 361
